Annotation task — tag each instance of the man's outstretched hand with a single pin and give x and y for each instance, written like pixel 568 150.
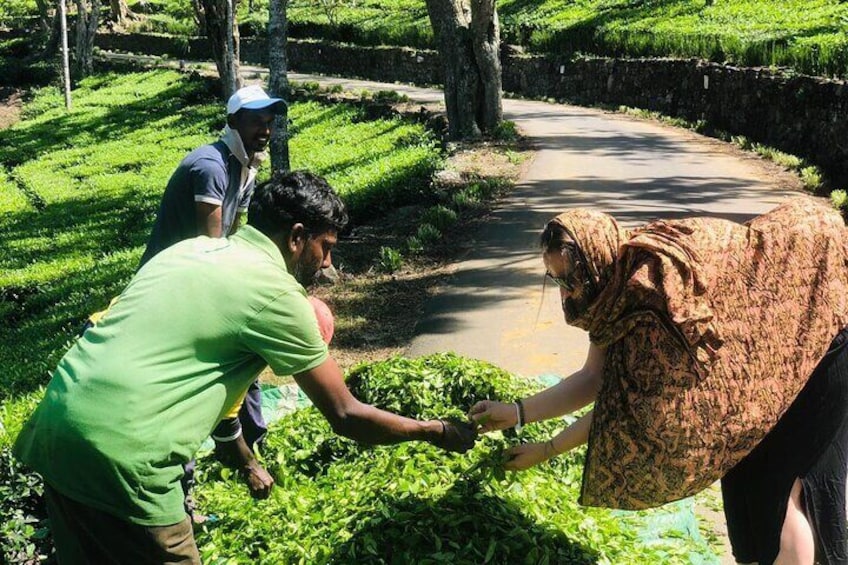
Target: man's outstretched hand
pixel 457 435
pixel 258 480
pixel 236 455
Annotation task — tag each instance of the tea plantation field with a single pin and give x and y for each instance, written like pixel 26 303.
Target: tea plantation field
pixel 806 35
pixel 79 191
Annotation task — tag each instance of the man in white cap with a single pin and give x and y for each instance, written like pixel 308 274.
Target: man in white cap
pixel 213 183
pixel 206 194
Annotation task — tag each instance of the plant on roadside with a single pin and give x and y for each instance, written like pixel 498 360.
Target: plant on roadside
pixel 390 260
pixel 812 178
pixel 390 97
pixel 414 245
pixel 466 199
pixel 428 234
pixel 839 199
pixel 506 130
pixel 441 217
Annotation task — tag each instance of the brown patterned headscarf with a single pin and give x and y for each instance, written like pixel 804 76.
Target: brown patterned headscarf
pixel 712 329
pixel 597 238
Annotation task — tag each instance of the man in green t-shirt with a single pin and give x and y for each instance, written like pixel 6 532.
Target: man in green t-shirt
pixel 134 398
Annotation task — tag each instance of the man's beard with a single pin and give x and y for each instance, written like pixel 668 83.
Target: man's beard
pixel 305 273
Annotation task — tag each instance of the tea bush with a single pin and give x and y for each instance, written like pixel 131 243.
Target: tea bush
pixel 336 501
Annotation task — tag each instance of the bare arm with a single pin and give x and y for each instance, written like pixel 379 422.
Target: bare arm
pixel 526 455
pixel 325 386
pixel 572 393
pixel 208 218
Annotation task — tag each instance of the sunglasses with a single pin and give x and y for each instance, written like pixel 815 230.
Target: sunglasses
pixel 560 282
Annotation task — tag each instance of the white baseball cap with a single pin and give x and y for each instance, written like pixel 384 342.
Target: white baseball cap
pixel 253 98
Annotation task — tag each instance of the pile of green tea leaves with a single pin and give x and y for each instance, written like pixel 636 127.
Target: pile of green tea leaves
pixel 336 501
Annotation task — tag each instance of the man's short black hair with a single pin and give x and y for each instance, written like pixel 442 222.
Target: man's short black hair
pixel 296 197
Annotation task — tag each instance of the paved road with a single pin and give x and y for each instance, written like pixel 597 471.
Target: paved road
pixel 493 308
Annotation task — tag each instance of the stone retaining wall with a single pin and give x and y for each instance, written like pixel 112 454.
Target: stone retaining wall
pixel 805 116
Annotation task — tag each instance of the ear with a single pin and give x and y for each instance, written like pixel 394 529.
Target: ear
pixel 297 238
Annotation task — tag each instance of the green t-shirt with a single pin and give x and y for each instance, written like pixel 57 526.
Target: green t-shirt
pixel 133 399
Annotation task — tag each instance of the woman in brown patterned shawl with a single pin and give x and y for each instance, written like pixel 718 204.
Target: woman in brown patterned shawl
pixel 712 357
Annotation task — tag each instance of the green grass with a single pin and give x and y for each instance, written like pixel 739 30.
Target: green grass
pixel 79 191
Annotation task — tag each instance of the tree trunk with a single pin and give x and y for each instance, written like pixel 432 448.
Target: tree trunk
pixel 450 21
pixel 468 38
pixel 486 40
pixel 118 11
pixel 53 39
pixel 88 16
pixel 278 81
pixel 44 18
pixel 223 35
pixel 199 17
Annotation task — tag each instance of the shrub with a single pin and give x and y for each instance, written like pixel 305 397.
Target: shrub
pixel 466 199
pixel 390 97
pixel 428 234
pixel 24 536
pixel 440 217
pixel 506 131
pixel 414 245
pixel 812 178
pixel 390 259
pixel 839 199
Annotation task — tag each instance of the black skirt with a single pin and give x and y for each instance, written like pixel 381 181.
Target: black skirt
pixel 809 442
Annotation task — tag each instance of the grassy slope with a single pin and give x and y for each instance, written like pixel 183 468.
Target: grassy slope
pixel 809 35
pixel 79 191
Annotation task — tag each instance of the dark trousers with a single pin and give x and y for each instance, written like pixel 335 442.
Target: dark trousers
pixel 84 535
pixel 253 429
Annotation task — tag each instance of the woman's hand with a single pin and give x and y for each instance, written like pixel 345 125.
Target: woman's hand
pixel 492 416
pixel 526 455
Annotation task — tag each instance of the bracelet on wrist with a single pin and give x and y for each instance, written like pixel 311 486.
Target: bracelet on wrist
pixel 519 416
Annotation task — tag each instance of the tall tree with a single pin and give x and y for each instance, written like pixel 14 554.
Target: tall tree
pixel 278 81
pixel 222 31
pixel 468 38
pixel 88 18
